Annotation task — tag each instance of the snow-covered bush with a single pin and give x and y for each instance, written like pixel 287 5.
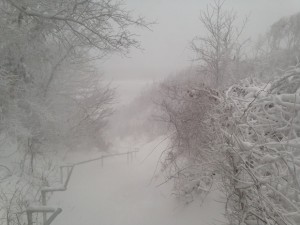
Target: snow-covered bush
pixel 188 108
pixel 246 140
pixel 260 168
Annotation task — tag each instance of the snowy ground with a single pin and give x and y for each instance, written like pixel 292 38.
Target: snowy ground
pixel 120 194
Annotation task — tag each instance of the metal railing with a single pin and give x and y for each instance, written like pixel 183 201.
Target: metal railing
pixel 65 170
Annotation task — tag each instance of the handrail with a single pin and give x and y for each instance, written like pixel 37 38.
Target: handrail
pixel 44 209
pixel 101 157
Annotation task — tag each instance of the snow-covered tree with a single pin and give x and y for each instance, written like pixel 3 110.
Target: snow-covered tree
pixel 52 99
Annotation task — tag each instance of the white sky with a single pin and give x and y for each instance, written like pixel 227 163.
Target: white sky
pixel 166 48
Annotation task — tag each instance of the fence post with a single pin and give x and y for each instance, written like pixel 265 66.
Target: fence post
pixel 61 175
pixel 29 218
pixel 44 203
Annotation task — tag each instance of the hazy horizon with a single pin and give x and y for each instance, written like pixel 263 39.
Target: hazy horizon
pixel 166 48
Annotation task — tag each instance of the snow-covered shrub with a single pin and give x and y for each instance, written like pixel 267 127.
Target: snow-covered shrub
pixel 260 168
pixel 189 108
pixel 247 140
pixel 20 187
pixel 192 183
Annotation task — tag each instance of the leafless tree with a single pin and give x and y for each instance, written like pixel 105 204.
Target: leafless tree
pixel 220 47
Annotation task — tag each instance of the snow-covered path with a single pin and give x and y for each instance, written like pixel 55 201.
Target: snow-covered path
pixel 120 194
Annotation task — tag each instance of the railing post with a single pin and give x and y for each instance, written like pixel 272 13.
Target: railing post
pixel 44 202
pixel 61 175
pixel 29 218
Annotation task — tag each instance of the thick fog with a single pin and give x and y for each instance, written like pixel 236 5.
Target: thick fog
pixel 157 112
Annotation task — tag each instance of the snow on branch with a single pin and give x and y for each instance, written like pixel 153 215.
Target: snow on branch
pixel 102 24
pixel 261 175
